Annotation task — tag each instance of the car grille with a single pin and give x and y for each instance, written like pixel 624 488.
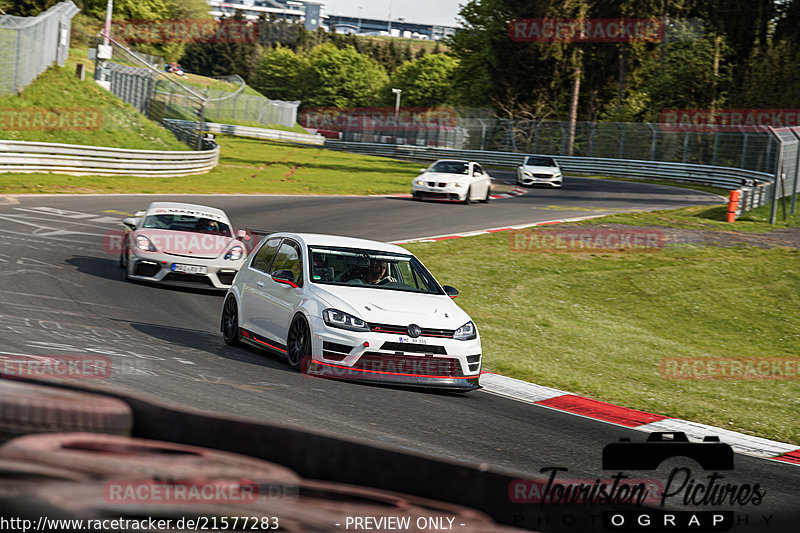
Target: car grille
pixel 543 176
pixel 226 278
pixel 409 364
pixel 335 351
pixel 403 330
pixel 413 348
pixel 146 268
pixel 191 278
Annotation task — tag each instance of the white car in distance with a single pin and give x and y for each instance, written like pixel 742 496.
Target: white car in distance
pixel 450 180
pixel 539 170
pixel 352 309
pixel 182 244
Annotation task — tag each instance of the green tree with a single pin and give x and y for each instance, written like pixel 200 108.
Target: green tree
pixel 343 78
pixel 281 74
pixel 426 82
pixel 26 8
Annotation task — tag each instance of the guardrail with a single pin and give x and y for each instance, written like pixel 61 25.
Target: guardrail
pixel 23 156
pixel 246 131
pixel 756 187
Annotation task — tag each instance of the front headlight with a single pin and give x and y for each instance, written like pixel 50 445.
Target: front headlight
pixel 419 182
pixel 234 254
pixel 557 175
pixel 456 184
pixel 144 244
pixel 467 332
pixel 339 319
pixel 528 173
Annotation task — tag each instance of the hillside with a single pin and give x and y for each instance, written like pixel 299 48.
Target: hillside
pixel 58 107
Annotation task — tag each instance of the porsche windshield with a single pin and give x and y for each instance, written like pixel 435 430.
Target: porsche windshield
pixel 370 268
pixel 187 223
pixel 450 167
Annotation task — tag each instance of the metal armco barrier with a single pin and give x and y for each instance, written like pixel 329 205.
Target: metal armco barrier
pixel 246 131
pixel 756 187
pixel 22 156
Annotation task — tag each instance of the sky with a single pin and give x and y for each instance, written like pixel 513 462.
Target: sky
pixel 423 11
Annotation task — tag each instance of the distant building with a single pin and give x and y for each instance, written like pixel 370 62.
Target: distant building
pixel 308 12
pixel 395 28
pixel 312 15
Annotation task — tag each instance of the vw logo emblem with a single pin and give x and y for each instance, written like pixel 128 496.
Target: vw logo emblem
pixel 414 331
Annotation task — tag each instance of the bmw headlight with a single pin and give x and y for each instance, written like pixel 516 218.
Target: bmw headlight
pixel 234 253
pixel 457 184
pixel 143 243
pixel 339 319
pixel 419 182
pixel 467 332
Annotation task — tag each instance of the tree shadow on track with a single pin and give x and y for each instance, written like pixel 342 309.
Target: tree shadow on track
pixel 210 343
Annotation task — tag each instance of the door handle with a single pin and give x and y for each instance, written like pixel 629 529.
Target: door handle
pixel 260 283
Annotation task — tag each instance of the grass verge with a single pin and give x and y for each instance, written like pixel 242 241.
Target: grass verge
pixel 599 324
pixel 246 166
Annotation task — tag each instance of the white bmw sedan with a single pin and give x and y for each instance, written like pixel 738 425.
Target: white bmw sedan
pixel 182 244
pixel 354 309
pixel 539 170
pixel 452 181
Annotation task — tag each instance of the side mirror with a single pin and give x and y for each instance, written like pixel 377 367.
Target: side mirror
pixel 131 222
pixel 450 291
pixel 284 276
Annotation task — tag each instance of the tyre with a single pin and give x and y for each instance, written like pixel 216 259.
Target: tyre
pixel 229 326
pixel 488 195
pixel 114 456
pixel 28 408
pixel 298 344
pixel 468 197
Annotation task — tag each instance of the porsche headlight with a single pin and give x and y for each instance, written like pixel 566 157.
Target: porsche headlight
pixel 144 244
pixel 234 254
pixel 339 319
pixel 467 332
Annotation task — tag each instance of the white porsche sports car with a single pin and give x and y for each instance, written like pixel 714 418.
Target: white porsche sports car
pixel 354 309
pixel 452 181
pixel 539 170
pixel 183 244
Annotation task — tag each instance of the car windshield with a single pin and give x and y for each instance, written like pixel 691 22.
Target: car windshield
pixel 356 267
pixel 450 167
pixel 187 223
pixel 540 162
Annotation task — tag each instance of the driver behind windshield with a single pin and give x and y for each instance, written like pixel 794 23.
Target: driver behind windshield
pixel 377 273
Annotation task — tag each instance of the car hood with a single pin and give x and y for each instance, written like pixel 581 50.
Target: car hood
pixel 188 244
pixel 542 170
pixel 384 306
pixel 443 176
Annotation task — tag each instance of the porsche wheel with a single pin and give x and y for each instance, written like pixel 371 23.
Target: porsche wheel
pixel 230 322
pixel 298 344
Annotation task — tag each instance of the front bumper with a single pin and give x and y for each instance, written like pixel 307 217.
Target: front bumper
pixel 431 362
pixel 448 193
pixel 539 179
pixel 159 267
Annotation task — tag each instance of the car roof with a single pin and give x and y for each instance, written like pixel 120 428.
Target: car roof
pixel 451 161
pixel 182 208
pixel 339 241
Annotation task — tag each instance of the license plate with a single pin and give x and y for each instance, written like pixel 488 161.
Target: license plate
pixel 190 269
pixel 412 340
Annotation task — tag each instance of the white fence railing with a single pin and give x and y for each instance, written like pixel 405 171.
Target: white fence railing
pixel 23 156
pixel 246 131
